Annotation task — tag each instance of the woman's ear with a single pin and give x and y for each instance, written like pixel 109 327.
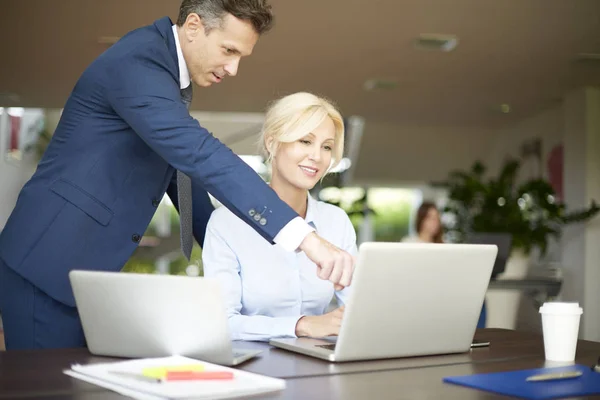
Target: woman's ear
pixel 269 145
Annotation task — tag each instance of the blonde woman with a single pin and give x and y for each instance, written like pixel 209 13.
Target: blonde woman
pixel 271 293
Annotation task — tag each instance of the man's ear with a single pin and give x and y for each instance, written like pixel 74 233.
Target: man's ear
pixel 193 26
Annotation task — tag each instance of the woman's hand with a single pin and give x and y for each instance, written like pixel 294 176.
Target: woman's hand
pixel 321 325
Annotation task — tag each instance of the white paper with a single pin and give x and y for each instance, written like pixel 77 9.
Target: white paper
pixel 243 384
pixel 115 388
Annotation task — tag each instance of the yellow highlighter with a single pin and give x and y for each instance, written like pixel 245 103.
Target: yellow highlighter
pixel 161 372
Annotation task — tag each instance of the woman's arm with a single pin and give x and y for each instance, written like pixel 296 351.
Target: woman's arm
pixel 220 261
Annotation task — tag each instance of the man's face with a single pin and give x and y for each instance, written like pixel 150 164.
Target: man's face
pixel 210 57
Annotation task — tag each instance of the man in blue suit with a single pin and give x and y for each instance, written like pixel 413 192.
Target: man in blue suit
pixel 124 139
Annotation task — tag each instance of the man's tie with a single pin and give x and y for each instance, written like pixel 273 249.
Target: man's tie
pixel 184 195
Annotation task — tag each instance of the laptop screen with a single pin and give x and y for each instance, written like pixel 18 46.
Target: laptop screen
pixel 502 240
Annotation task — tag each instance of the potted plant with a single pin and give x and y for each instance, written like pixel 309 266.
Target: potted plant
pixel 530 210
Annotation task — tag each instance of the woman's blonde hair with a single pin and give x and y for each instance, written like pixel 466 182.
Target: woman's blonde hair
pixel 296 115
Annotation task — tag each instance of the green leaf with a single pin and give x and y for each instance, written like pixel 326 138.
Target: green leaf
pixel 529 211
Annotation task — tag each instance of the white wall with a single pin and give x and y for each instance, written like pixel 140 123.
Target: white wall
pixel 576 124
pixel 389 155
pixel 237 130
pixel 393 154
pixel 548 125
pixel 581 250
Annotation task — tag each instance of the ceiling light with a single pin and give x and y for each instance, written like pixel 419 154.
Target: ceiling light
pixel 436 42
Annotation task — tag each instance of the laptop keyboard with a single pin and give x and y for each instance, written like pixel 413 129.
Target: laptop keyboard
pixel 327 346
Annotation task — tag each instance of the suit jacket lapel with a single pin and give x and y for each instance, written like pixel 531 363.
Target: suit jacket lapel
pixel 164 27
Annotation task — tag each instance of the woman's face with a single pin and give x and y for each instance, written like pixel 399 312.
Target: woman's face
pixel 301 164
pixel 431 223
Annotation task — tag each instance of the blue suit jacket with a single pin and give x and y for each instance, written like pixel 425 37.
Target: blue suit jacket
pixel 123 133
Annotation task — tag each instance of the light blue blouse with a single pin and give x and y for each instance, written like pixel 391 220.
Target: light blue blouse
pixel 267 289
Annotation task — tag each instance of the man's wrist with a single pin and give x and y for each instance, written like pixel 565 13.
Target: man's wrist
pixel 293 234
pixel 308 239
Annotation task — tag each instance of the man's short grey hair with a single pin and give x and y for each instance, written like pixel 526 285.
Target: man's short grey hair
pixel 212 12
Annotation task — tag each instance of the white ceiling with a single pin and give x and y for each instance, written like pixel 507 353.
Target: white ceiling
pixel 517 52
pixel 520 52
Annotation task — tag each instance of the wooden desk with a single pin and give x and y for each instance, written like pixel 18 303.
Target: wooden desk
pixel 38 373
pixel 505 345
pixel 414 383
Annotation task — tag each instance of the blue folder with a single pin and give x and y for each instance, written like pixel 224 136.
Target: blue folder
pixel 513 383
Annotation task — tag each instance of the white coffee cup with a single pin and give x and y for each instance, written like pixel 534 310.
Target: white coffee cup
pixel 560 324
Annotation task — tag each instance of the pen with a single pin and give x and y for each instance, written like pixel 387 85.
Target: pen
pixel 554 376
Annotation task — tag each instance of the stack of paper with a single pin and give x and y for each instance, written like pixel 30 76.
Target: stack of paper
pixel 130 378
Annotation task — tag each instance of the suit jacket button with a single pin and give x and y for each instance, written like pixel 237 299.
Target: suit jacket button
pixel 251 212
pixel 263 221
pixel 257 217
pixel 136 238
pixel 155 202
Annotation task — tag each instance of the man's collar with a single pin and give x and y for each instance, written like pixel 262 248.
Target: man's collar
pixel 184 74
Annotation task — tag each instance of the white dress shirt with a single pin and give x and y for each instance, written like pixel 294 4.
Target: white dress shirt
pixel 294 232
pixel 267 289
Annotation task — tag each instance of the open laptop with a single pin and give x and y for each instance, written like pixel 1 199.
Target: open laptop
pixel 502 240
pixel 143 315
pixel 407 299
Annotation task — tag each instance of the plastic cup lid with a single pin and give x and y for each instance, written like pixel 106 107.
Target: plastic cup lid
pixel 555 307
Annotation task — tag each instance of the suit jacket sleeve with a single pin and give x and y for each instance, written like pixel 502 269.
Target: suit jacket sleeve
pixel 145 93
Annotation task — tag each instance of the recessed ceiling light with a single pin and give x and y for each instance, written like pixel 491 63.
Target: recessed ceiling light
pixel 436 42
pixel 380 84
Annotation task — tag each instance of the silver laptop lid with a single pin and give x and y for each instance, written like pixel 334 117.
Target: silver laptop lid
pixel 142 315
pixel 413 299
